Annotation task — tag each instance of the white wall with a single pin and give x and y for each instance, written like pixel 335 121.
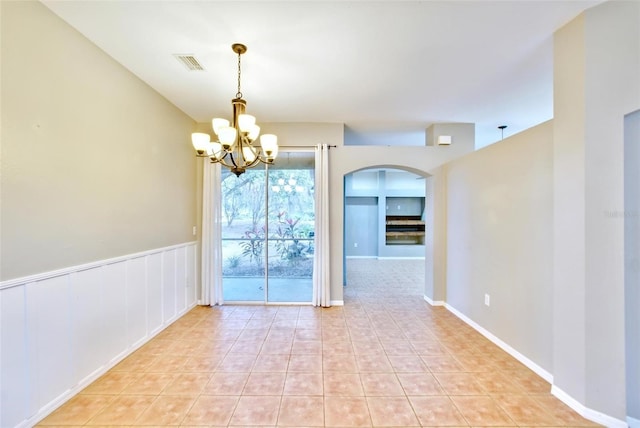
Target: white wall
pixel 499 208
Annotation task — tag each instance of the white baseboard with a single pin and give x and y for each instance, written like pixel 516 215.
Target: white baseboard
pixel 337 303
pixel 505 347
pixel 362 257
pixel 433 302
pixel 633 422
pixel 586 412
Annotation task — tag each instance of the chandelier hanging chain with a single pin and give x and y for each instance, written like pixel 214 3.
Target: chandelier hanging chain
pixel 239 93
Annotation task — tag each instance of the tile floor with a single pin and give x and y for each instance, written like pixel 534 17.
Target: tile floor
pixel 385 359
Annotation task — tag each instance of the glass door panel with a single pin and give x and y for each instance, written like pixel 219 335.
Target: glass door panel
pixel 269 262
pixel 243 236
pixel 291 220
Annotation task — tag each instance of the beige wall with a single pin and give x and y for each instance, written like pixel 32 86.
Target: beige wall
pixel 95 164
pixel 597 82
pixel 499 210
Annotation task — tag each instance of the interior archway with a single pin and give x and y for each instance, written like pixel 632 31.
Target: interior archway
pixel 385 214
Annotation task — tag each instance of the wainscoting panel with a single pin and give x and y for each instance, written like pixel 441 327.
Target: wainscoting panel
pixel 137 299
pixel 14 377
pixel 154 296
pixel 181 279
pixel 169 285
pixel 61 330
pixel 114 294
pixel 191 265
pixel 88 322
pixel 49 338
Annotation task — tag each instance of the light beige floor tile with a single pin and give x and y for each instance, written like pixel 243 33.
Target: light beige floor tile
pixel 187 384
pixel 165 410
pixel 246 348
pixel 419 384
pixel 442 363
pixel 211 410
pixel 301 411
pixel 271 363
pixel 123 410
pixel 497 383
pixel 345 363
pixel 308 334
pixel 436 411
pixel 391 412
pixel 202 363
pixel 524 410
pixel 362 346
pixel 394 346
pixel 113 382
pixel 225 384
pixel 339 347
pixel 167 364
pixel 382 384
pixel 237 363
pixel 301 346
pixel 136 362
pixel 307 384
pixel 374 363
pixel 342 384
pixel 459 384
pixel 79 410
pixel 407 363
pixel 256 410
pixel 482 411
pixel 561 412
pixel 346 412
pixel 529 381
pixel 276 347
pixel 310 363
pixel 149 384
pixel 264 384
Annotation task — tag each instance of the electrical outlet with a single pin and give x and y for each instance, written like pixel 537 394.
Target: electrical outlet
pixel 194 231
pixel 355 245
pixel 487 300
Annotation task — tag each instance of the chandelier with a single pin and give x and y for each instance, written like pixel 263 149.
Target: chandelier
pixel 234 147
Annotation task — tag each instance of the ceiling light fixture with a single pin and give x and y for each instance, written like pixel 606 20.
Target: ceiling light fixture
pixel 234 147
pixel 501 128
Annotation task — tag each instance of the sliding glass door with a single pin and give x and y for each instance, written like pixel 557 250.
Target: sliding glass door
pixel 268 232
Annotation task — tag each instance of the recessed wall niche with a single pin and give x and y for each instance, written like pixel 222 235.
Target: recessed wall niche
pixel 404 221
pixel 394 226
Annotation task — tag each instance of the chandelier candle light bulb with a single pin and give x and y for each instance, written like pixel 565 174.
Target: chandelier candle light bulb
pixel 234 148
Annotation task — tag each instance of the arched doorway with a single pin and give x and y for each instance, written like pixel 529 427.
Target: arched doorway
pixel 384 233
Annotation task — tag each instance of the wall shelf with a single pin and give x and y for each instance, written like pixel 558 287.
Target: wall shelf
pixel 404 230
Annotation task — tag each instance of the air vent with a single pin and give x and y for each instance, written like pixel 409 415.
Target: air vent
pixel 189 61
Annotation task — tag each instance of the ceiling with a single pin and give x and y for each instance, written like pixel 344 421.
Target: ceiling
pixel 386 69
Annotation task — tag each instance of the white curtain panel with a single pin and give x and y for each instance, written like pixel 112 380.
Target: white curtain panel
pixel 321 283
pixel 211 270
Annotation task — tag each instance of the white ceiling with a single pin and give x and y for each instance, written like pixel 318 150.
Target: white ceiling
pixel 386 69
